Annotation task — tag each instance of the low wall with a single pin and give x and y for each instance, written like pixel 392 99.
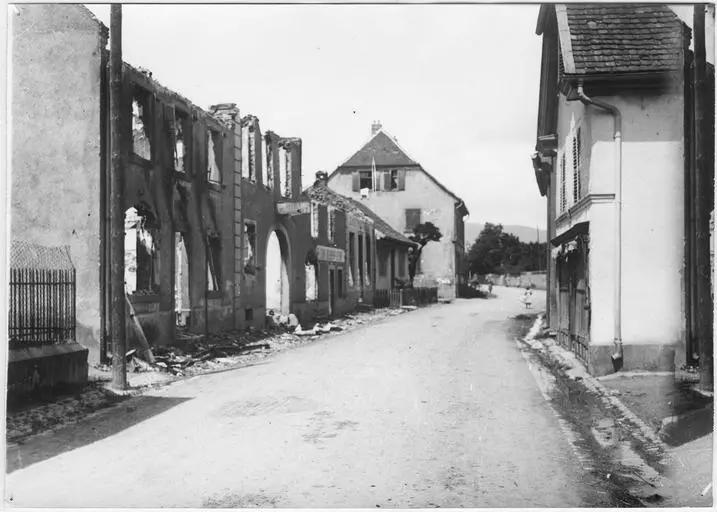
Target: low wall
pixel 523 280
pixel 36 370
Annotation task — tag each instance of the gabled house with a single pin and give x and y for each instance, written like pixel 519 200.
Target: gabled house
pixel 615 159
pixel 397 188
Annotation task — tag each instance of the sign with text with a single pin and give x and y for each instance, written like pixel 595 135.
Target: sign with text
pixel 330 254
pixel 292 208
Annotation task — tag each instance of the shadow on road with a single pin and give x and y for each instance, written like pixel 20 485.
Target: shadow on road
pixel 70 437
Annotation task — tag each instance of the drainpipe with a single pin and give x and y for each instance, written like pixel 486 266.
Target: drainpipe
pixel 617 357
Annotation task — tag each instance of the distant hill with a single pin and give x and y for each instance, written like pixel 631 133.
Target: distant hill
pixel 524 233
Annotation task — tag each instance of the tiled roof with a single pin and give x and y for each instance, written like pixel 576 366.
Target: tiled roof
pixel 321 193
pixel 381 226
pixel 383 149
pixel 623 38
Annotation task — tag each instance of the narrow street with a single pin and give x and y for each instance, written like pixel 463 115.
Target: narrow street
pixel 436 407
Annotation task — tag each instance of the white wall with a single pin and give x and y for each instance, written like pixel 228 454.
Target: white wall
pixel 438 207
pixel 652 216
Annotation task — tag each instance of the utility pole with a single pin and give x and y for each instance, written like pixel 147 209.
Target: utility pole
pixel 117 287
pixel 704 187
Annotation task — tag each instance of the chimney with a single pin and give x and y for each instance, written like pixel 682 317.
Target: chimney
pixel 375 127
pixel 322 178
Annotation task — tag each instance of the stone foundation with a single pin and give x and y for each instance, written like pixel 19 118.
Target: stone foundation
pixel 645 357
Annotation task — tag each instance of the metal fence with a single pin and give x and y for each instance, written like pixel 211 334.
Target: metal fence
pixel 418 296
pixel 42 296
pixel 387 298
pixel 396 298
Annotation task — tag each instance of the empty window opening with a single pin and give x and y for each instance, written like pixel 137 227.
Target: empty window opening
pixel 181 281
pixel 251 152
pixel 245 151
pixel 249 247
pixel 179 146
pixel 311 269
pixel 285 165
pixel 141 252
pixel 214 174
pixel 282 171
pixel 413 219
pixel 214 264
pixel 314 219
pixel 266 160
pixel 140 126
pixel 249 314
pixel 331 224
pixel 276 272
pixel 352 252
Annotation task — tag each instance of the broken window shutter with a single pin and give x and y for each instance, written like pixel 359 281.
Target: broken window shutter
pixel 355 181
pixel 402 179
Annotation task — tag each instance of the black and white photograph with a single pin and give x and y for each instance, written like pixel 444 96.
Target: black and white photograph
pixel 403 255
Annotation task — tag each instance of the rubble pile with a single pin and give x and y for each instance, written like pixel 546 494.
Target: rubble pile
pixel 195 354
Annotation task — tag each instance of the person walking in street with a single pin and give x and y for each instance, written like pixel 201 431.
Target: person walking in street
pixel 527 297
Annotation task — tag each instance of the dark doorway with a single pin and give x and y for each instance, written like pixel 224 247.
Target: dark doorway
pixel 392 265
pixel 332 292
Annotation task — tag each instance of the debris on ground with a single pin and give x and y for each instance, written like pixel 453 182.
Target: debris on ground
pixel 190 354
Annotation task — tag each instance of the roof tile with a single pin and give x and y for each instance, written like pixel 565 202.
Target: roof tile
pixel 625 37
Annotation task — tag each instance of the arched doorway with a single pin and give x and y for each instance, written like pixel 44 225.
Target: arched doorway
pixel 277 273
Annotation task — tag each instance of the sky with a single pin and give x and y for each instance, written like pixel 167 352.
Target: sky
pixel 457 85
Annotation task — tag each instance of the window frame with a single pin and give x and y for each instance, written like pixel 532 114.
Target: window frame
pixel 363 175
pixel 249 259
pixel 407 228
pixel 215 137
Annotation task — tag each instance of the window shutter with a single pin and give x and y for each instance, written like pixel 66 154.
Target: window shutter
pixel 402 179
pixel 387 180
pixel 355 181
pixel 575 156
pixel 562 183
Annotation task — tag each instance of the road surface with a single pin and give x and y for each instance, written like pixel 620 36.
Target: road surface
pixel 435 407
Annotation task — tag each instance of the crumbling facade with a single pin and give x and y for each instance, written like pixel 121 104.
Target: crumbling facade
pixel 179 198
pixel 218 232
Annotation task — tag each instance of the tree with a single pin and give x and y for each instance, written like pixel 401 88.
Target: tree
pixel 422 234
pixel 497 252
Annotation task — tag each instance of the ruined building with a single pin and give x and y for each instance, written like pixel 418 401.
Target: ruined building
pixel 218 231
